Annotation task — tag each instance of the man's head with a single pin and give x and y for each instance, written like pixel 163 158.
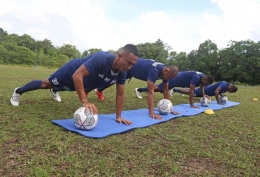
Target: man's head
pixel 126 58
pixel 232 89
pixel 169 72
pixel 207 80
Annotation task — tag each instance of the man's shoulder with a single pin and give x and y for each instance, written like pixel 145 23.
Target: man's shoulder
pixel 104 53
pixel 101 55
pixel 224 83
pixel 141 61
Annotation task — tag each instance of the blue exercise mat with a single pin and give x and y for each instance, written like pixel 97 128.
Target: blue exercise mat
pixel 107 125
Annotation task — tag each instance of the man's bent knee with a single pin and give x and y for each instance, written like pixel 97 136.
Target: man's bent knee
pixel 46 84
pixel 156 89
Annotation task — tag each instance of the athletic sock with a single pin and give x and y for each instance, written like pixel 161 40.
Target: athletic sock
pixel 142 89
pixel 58 89
pixel 33 85
pixel 100 89
pixel 177 90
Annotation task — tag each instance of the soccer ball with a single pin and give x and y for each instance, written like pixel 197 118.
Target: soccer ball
pixel 84 120
pixel 164 106
pixel 223 100
pixel 204 101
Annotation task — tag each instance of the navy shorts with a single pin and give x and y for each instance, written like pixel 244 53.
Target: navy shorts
pixel 60 79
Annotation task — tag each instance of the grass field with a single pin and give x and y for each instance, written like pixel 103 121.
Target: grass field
pixel 224 144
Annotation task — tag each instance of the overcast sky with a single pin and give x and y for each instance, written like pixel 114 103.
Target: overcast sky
pixel 110 24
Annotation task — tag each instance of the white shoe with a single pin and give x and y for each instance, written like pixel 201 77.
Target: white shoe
pixel 138 94
pixel 15 98
pixel 171 92
pixel 56 95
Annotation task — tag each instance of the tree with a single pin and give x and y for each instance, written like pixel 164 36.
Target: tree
pixel 62 59
pixel 94 50
pixel 26 56
pixel 172 58
pixel 182 62
pixel 159 43
pixel 149 50
pixel 3 35
pixel 192 60
pixel 240 62
pixel 113 52
pixel 70 51
pixel 3 55
pixel 12 38
pixel 46 45
pixel 27 41
pixel 84 54
pixel 19 54
pixel 207 58
pixel 162 58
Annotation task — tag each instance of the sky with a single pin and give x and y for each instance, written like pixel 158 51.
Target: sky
pixel 110 24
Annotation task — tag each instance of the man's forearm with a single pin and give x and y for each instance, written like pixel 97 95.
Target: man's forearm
pixel 119 104
pixel 78 83
pixel 166 94
pixel 202 90
pixel 217 97
pixel 191 97
pixel 151 102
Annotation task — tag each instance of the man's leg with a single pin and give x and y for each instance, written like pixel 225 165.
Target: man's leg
pixel 99 92
pixel 33 85
pixel 171 86
pixel 157 88
pixel 186 91
pixel 56 95
pixel 55 92
pixel 139 90
pixel 182 91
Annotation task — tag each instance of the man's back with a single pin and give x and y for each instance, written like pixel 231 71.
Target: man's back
pixel 185 78
pixel 210 89
pixel 99 66
pixel 146 69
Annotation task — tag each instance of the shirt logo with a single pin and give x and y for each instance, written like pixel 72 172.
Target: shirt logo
pixel 106 79
pixel 113 81
pixel 55 81
pixel 157 63
pixel 101 75
pixel 197 72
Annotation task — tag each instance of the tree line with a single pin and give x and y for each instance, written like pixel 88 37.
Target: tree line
pixel 238 62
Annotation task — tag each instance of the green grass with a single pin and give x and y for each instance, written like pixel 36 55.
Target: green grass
pixel 226 143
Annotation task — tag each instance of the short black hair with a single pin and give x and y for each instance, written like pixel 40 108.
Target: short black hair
pixel 130 48
pixel 234 88
pixel 210 78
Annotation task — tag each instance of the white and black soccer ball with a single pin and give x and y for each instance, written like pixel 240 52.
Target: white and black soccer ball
pixel 223 100
pixel 204 101
pixel 84 120
pixel 164 106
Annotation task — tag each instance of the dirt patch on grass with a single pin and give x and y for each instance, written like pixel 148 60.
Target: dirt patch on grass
pixel 30 102
pixel 2 100
pixel 199 164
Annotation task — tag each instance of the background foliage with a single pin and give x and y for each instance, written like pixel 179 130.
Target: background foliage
pixel 238 62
